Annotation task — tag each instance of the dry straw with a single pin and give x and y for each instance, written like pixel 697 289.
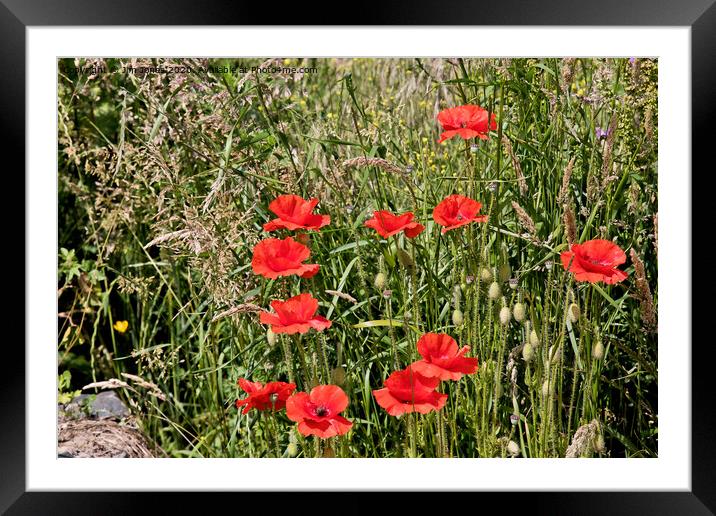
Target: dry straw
pixel 570 224
pixel 562 197
pixel 372 162
pixel 516 165
pixel 583 440
pixel 646 300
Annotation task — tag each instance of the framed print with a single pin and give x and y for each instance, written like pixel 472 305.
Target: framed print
pixel 453 257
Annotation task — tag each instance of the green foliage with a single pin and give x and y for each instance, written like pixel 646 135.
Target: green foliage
pixel 164 185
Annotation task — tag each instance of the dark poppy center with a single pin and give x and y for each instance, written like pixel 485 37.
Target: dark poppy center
pixel 459 216
pixel 321 411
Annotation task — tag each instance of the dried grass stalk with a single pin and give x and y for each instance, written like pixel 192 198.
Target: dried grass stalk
pixel 516 165
pixel 240 309
pixel 583 439
pixel 607 152
pixel 372 162
pixel 342 295
pixel 564 191
pixel 570 224
pixel 646 300
pixel 524 219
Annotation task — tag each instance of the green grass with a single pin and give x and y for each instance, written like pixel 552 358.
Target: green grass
pixel 194 159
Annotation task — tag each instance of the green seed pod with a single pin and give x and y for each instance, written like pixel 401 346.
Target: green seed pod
pixel 457 317
pixel 504 315
pixel 498 390
pixel 534 339
pixel 380 281
pixel 598 350
pixel 555 352
pixel 546 389
pixel 456 296
pixel 513 448
pixel 270 337
pixel 338 376
pixel 486 275
pixel 405 259
pixel 292 449
pixel 505 272
pixel 573 313
pixel 494 292
pixel 528 353
pixel 518 311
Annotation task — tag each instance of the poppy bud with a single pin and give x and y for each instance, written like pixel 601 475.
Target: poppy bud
pixel 534 339
pixel 518 311
pixel 380 281
pixel 546 388
pixel 598 350
pixel 456 295
pixel 528 353
pixel 292 449
pixel 504 315
pixel 555 353
pixel 505 272
pixel 513 448
pixel 338 376
pixel 270 337
pixel 457 317
pixel 486 275
pixel 495 292
pixel 573 312
pixel 405 259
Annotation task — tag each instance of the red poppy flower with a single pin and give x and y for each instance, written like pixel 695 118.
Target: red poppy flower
pixel 294 212
pixel 468 121
pixel 409 391
pixel 317 412
pixel 273 258
pixel 595 261
pixel 295 315
pixel 457 210
pixel 271 396
pixel 387 224
pixel 442 359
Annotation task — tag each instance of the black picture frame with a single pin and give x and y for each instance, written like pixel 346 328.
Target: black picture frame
pixel 699 15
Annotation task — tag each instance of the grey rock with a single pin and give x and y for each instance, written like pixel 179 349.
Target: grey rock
pixel 104 405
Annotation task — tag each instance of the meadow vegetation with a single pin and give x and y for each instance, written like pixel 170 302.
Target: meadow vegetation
pixel 164 187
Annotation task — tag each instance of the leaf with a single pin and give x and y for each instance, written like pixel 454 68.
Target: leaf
pixel 378 322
